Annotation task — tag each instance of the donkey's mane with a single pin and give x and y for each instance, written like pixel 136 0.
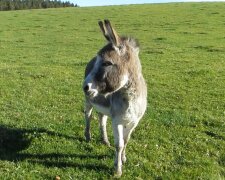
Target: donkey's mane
pixel 131 41
pixel 125 40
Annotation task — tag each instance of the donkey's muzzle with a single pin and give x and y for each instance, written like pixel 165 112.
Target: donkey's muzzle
pixel 86 88
pixel 89 91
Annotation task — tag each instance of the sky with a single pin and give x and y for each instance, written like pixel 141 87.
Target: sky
pixel 119 2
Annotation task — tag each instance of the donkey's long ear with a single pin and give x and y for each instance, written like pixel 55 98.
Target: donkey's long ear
pixel 101 25
pixel 113 36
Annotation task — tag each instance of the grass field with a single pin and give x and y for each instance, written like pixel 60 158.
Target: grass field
pixel 42 59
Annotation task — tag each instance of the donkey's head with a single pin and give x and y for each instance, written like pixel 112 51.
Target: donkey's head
pixel 113 65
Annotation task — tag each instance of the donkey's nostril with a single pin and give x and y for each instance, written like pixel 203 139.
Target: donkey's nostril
pixel 86 88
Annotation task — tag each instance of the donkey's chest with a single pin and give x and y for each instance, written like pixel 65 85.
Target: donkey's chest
pixel 127 111
pixel 102 109
pixel 101 104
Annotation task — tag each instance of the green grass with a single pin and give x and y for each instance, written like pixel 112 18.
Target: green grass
pixel 42 60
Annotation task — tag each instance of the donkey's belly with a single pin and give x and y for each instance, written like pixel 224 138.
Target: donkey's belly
pixel 130 111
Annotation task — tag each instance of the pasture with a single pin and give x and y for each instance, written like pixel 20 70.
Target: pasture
pixel 43 54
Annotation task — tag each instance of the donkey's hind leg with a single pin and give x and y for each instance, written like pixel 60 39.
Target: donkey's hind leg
pixel 103 130
pixel 87 112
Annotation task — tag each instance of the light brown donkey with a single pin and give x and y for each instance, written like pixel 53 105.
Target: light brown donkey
pixel 115 87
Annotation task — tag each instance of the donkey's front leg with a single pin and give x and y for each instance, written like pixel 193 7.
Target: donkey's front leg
pixel 127 130
pixel 87 112
pixel 119 143
pixel 103 130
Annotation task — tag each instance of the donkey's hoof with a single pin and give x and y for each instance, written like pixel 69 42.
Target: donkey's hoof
pixel 106 143
pixel 117 174
pixel 87 137
pixel 117 171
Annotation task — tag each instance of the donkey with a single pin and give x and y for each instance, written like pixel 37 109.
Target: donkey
pixel 115 87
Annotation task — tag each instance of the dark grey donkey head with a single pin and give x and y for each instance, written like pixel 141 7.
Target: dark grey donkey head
pixel 114 66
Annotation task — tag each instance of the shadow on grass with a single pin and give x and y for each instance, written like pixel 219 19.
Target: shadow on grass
pixel 13 141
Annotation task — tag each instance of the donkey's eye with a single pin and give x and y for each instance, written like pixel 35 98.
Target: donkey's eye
pixel 106 63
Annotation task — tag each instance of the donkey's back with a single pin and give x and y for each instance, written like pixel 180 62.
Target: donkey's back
pixel 115 87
